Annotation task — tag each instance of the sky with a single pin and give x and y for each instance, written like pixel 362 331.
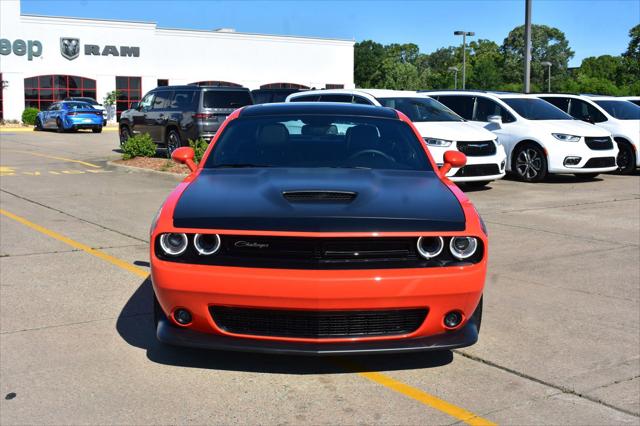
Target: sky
pixel 593 27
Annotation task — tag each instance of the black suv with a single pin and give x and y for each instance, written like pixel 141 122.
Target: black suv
pixel 172 115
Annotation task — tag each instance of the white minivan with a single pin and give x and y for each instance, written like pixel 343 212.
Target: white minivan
pixel 441 129
pixel 538 137
pixel 619 116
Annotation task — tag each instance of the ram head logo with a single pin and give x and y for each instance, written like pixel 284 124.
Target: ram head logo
pixel 69 47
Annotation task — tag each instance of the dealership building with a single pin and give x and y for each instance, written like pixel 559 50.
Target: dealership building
pixel 47 58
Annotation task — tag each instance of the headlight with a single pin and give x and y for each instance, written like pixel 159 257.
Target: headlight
pixel 206 244
pixel 174 244
pixel 463 247
pixel 437 142
pixel 430 247
pixel 566 138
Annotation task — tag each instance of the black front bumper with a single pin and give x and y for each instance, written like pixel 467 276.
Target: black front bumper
pixel 172 335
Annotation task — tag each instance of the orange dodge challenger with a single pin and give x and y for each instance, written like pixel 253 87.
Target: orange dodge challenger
pixel 318 228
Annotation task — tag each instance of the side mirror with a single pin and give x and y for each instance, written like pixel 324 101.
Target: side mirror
pixel 134 105
pixel 452 160
pixel 185 155
pixel 496 119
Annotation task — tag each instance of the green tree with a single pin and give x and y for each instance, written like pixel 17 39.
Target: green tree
pixel 485 62
pixel 547 44
pixel 368 56
pixel 633 49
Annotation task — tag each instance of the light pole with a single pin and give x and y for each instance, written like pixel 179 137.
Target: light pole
pixel 455 77
pixel 527 46
pixel 464 35
pixel 547 64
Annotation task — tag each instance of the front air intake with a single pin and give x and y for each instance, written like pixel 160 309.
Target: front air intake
pixel 319 196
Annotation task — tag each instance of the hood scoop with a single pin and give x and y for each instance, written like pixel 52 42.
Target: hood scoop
pixel 309 196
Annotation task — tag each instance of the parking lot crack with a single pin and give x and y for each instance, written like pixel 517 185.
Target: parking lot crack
pixel 47 327
pixel 74 217
pixel 562 389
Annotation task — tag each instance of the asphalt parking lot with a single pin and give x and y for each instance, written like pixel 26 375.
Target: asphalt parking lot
pixel 560 339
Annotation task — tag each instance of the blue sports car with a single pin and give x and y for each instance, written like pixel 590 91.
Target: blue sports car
pixel 70 115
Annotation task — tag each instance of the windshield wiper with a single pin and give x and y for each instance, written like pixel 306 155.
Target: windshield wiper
pixel 240 165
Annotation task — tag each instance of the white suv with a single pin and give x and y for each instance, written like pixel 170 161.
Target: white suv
pixel 538 137
pixel 618 116
pixel 441 128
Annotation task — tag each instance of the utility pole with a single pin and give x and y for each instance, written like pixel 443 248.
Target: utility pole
pixel 527 46
pixel 548 64
pixel 455 76
pixel 464 35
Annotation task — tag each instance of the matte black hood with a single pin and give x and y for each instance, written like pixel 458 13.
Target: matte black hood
pixel 386 201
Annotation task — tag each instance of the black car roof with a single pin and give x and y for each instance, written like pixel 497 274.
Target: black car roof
pixel 319 108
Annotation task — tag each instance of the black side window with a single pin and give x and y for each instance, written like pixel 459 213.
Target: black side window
pixel 183 100
pixel 562 103
pixel 162 100
pixel 361 100
pixel 486 108
pixel 586 112
pixel 461 105
pixel 336 98
pixel 309 98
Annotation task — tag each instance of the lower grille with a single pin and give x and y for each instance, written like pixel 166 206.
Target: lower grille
pixel 595 163
pixel 600 143
pixel 478 170
pixel 317 324
pixel 477 149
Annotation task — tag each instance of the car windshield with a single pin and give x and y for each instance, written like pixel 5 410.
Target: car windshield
pixel 226 98
pixel 316 141
pixel 536 109
pixel 622 110
pixel 421 109
pixel 77 105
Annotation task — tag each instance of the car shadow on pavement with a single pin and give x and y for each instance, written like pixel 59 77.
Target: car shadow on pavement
pixel 135 326
pixel 563 179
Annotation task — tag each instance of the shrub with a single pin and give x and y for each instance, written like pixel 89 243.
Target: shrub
pixel 138 146
pixel 199 146
pixel 29 116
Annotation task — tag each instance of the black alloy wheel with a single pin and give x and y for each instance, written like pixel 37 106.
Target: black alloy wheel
pixel 173 142
pixel 530 163
pixel 625 159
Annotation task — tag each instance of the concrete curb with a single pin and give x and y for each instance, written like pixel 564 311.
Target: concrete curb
pixel 134 169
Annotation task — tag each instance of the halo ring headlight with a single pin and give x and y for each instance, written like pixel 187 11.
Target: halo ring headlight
pixel 463 247
pixel 206 244
pixel 430 247
pixel 174 244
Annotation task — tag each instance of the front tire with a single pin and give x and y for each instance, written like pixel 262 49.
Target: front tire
pixel 530 163
pixel 173 142
pixel 626 159
pixel 60 127
pixel 38 126
pixel 125 134
pixel 97 129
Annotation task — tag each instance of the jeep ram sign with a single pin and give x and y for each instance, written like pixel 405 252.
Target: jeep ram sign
pixel 70 49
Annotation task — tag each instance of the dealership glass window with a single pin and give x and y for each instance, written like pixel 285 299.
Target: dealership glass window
pixel 333 86
pixel 284 86
pixel 41 91
pixel 162 82
pixel 129 90
pixel 216 83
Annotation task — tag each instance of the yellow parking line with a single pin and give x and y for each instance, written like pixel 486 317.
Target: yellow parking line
pixel 382 379
pixel 70 160
pixel 75 244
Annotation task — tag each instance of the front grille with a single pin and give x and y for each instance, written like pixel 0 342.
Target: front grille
pixel 306 196
pixel 317 324
pixel 257 251
pixel 478 170
pixel 598 162
pixel 600 143
pixel 477 149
